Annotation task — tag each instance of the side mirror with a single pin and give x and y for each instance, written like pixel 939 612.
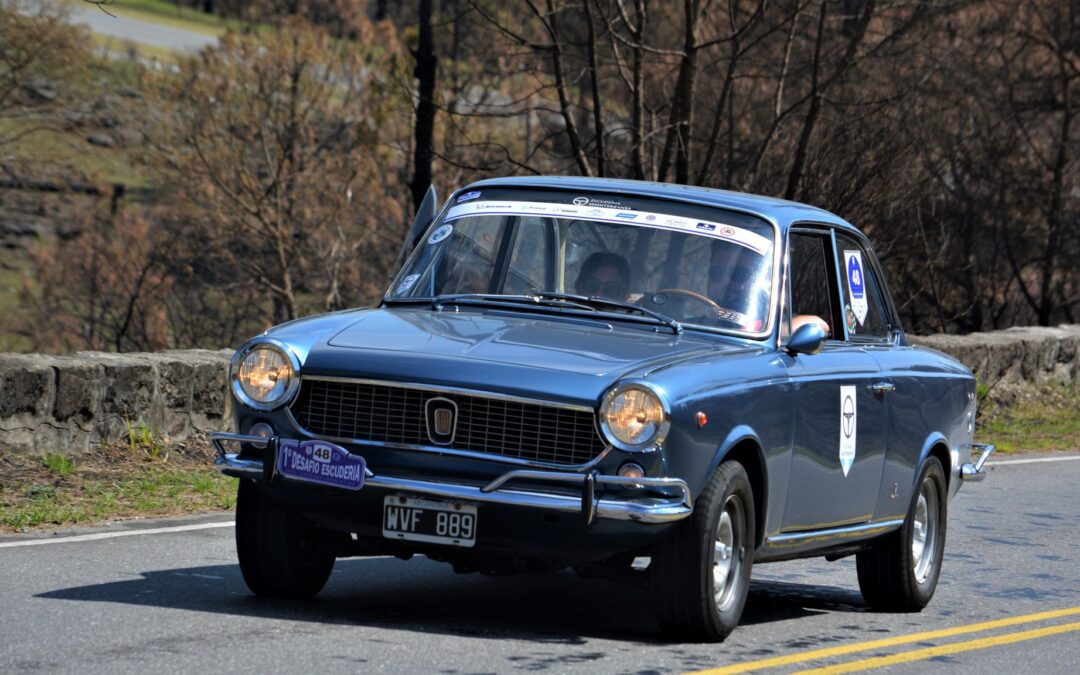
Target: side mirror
pixel 808 339
pixel 424 215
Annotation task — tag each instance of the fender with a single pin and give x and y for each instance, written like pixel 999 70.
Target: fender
pixel 952 471
pixel 741 439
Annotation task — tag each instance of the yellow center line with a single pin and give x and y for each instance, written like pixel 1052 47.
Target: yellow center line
pixel 943 650
pixel 828 652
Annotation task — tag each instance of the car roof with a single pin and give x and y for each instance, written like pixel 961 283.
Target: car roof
pixel 782 212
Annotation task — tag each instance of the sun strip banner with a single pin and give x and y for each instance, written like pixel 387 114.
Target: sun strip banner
pixel 737 235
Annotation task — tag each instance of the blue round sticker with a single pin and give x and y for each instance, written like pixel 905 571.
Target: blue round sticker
pixel 441 233
pixel 855 276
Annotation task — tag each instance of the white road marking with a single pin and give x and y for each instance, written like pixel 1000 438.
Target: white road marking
pixel 1034 460
pixel 112 535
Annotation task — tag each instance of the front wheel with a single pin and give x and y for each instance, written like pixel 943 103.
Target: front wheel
pixel 700 576
pixel 282 554
pixel 900 572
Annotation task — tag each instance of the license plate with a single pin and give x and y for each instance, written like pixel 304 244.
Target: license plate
pixel 320 462
pixel 430 521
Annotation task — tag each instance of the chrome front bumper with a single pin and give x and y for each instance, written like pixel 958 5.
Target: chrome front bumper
pixel 973 472
pixel 644 510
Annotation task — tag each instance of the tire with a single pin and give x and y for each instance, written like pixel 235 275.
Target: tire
pixel 698 597
pixel 282 554
pixel 900 572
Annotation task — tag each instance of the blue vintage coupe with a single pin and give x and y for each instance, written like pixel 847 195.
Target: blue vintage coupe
pixel 648 382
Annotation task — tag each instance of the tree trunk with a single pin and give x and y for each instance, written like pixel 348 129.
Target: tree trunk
pixel 426 63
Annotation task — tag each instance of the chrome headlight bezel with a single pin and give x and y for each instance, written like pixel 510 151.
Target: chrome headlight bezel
pixel 649 388
pixel 294 375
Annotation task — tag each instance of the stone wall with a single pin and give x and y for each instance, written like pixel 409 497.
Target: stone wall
pixel 71 403
pixel 1021 354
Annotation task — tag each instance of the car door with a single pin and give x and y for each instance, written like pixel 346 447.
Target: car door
pixel 910 392
pixel 839 434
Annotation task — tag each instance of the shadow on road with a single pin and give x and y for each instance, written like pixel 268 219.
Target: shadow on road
pixel 424 596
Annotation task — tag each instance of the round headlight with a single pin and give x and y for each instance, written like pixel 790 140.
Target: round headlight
pixel 264 375
pixel 634 417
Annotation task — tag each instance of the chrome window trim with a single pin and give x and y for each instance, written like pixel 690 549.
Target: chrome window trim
pixel 443 450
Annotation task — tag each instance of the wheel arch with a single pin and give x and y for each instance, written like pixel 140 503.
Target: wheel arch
pixel 744 446
pixel 936 445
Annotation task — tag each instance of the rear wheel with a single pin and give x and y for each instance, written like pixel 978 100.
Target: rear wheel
pixel 900 572
pixel 701 573
pixel 282 554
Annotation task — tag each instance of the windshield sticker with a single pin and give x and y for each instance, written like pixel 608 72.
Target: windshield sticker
pixel 849 319
pixel 440 234
pixel 467 196
pixel 407 283
pixel 591 209
pixel 848 427
pixel 856 285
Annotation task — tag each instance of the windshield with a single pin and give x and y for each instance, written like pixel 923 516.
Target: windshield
pixel 698 265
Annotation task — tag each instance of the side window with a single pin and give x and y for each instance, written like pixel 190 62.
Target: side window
pixel 864 312
pixel 809 279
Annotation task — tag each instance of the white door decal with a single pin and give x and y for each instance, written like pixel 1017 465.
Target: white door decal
pixel 848 427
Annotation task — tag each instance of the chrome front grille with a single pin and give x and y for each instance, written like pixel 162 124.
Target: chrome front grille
pixel 365 411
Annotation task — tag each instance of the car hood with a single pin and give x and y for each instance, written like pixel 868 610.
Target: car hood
pixel 495 350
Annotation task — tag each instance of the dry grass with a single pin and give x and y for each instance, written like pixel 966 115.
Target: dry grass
pixel 119 481
pixel 1029 418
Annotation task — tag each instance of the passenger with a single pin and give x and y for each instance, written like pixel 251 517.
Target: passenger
pixel 735 278
pixel 605 275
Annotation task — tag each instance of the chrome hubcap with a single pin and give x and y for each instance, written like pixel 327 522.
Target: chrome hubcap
pixel 727 554
pixel 924 532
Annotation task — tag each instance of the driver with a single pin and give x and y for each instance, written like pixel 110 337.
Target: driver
pixel 734 277
pixel 606 275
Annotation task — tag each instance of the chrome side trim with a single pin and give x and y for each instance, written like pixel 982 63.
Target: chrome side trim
pixel 864 528
pixel 976 472
pixel 643 510
pixel 451 390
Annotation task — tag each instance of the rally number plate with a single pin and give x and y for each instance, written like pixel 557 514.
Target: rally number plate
pixel 320 462
pixel 434 522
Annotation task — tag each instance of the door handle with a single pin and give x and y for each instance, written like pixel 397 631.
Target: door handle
pixel 883 387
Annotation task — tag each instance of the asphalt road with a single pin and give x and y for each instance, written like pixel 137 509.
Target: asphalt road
pixel 127 28
pixel 174 601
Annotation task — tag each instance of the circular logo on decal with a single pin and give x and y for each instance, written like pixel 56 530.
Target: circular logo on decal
pixel 440 234
pixel 727 231
pixel 581 201
pixel 849 416
pixel 855 276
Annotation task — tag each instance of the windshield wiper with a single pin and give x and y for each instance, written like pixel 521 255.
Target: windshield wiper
pixel 593 300
pixel 479 298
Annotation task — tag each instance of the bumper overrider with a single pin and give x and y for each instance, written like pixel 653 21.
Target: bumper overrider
pixel 499 491
pixel 973 472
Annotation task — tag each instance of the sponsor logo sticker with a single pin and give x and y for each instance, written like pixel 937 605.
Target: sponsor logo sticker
pixel 626 216
pixel 467 196
pixel 407 283
pixel 856 284
pixel 849 426
pixel 708 227
pixel 581 201
pixel 440 234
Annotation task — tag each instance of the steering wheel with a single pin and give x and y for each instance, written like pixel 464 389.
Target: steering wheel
pixel 721 313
